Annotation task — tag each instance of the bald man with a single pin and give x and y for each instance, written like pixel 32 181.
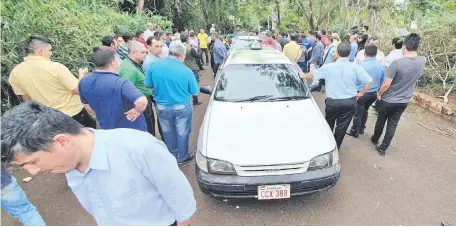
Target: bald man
pixel 131 70
pixel 149 31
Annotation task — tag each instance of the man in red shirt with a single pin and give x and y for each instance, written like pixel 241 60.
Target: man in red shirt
pixel 140 38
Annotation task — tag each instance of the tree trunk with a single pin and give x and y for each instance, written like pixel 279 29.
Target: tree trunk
pixel 140 6
pixel 356 14
pixel 311 17
pixel 278 11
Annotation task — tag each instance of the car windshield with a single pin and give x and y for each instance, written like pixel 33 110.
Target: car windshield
pixel 260 82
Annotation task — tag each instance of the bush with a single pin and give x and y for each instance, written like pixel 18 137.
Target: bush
pixel 74 26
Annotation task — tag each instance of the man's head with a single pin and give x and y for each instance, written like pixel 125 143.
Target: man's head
pixel 354 38
pixel 109 41
pixel 365 29
pixel 284 34
pixel 329 41
pixel 163 36
pixel 201 30
pixel 317 37
pixel 177 50
pixel 397 43
pixel 104 58
pixel 127 38
pixel 154 45
pixel 157 33
pixel 139 35
pixel 120 40
pixel 374 40
pixel 335 36
pixel 184 38
pixel 370 51
pixel 293 37
pixel 137 51
pixel 192 34
pixel 150 26
pixel 411 42
pixel 215 36
pixel 40 139
pixel 343 50
pixel 323 32
pixel 38 46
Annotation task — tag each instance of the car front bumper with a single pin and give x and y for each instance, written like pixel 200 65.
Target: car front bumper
pixel 233 186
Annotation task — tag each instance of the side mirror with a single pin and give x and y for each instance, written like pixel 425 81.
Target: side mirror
pixel 206 90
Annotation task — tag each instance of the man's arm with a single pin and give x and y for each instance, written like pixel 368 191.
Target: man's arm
pixel 25 98
pixel 390 74
pixel 160 168
pixel 363 78
pixel 133 95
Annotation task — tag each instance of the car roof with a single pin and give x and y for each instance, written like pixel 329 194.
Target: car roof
pixel 263 56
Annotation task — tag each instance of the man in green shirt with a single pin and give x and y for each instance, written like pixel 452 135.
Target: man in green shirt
pixel 131 69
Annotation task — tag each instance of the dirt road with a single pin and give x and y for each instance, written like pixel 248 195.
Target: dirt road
pixel 414 184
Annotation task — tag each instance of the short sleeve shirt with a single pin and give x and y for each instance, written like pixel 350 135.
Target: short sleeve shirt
pixel 172 82
pixel 110 96
pixel 202 39
pixel 47 82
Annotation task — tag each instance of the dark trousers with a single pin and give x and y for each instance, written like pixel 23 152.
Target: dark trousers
pixel 303 66
pixel 215 69
pixel 206 52
pixel 391 113
pixel 361 112
pixel 195 97
pixel 339 112
pixel 150 117
pixel 85 119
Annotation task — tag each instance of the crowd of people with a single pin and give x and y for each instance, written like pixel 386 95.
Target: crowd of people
pixel 117 168
pixel 92 127
pixel 357 75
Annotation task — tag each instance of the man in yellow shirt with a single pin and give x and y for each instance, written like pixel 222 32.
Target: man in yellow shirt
pixel 203 41
pixel 292 50
pixel 49 83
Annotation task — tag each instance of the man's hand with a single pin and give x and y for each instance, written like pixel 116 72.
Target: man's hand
pixel 359 95
pixel 305 75
pixel 132 114
pixel 82 72
pixel 184 223
pixel 379 97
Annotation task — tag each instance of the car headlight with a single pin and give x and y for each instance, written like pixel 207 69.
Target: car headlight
pixel 214 166
pixel 325 160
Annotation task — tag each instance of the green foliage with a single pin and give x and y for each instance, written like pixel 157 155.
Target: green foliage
pixel 74 26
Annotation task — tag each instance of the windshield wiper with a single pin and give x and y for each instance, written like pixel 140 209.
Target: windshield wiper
pixel 296 97
pixel 255 98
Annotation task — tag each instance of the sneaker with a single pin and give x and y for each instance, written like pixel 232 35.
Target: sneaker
pixel 380 151
pixel 375 142
pixel 197 103
pixel 189 158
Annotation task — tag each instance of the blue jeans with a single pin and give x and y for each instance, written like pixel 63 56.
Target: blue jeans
pixel 16 204
pixel 303 66
pixel 176 124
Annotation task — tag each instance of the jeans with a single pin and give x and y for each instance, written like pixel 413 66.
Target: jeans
pixel 16 204
pixel 361 112
pixel 176 123
pixel 339 112
pixel 391 113
pixel 195 97
pixel 206 52
pixel 303 66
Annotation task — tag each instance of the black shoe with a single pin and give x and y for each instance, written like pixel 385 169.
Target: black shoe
pixel 201 68
pixel 189 158
pixel 352 133
pixel 361 132
pixel 315 88
pixel 197 103
pixel 380 151
pixel 375 142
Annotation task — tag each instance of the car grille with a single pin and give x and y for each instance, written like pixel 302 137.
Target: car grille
pixel 268 170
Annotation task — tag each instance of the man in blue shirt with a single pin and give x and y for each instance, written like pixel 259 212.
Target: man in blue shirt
pixel 341 80
pixel 316 60
pixel 117 103
pixel 120 176
pixel 173 84
pixel 377 71
pixel 353 48
pixel 219 52
pixel 154 46
pixel 15 202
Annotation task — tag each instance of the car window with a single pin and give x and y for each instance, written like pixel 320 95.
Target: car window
pixel 241 44
pixel 242 82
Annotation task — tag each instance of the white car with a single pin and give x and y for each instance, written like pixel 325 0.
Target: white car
pixel 263 135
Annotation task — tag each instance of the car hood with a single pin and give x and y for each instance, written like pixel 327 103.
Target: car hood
pixel 267 133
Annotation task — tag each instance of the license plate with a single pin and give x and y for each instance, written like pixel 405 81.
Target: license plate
pixel 266 192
